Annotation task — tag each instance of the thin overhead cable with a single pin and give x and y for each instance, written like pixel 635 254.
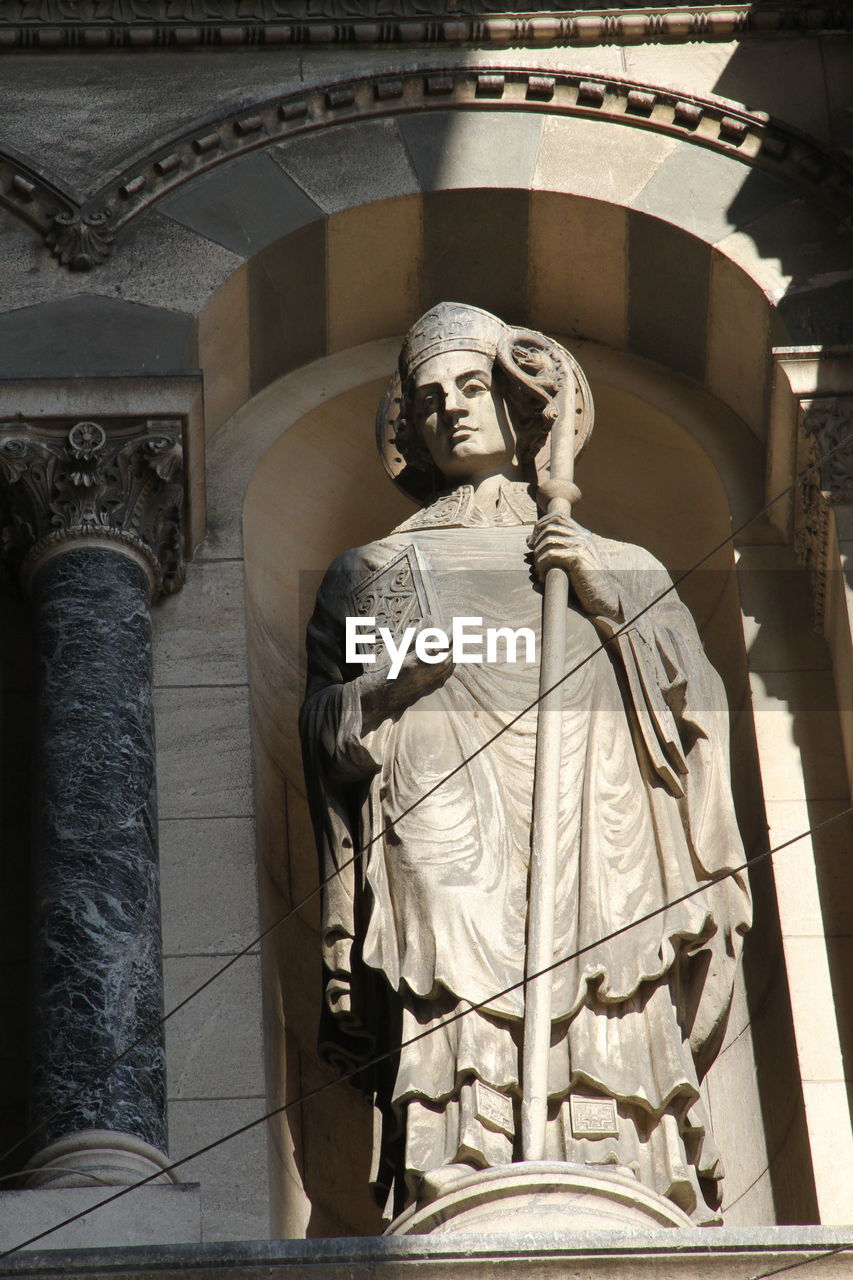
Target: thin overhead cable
pixel 422 1035
pixel 359 853
pixel 829 1252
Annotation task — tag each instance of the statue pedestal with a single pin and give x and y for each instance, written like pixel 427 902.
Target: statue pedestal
pixel 540 1196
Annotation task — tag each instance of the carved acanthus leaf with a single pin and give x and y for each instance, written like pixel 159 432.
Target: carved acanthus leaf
pixel 80 241
pixel 121 480
pixel 826 459
pixel 829 423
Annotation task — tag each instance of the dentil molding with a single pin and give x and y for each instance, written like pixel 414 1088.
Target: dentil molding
pixel 151 24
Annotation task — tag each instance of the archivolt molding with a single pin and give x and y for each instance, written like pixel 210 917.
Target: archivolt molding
pixel 79 233
pixel 146 24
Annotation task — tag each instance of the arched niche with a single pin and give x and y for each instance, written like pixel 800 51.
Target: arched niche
pixel 670 468
pixel 297 342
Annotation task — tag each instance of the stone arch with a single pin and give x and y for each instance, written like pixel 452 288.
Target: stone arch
pixel 277 183
pixel 517 85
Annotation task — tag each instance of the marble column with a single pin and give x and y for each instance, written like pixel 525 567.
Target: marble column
pixel 97 514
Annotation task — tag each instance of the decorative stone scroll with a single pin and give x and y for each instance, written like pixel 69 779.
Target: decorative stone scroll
pixel 826 449
pixel 115 481
pixel 80 241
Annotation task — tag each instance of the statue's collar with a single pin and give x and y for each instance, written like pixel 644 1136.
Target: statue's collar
pixel 457 509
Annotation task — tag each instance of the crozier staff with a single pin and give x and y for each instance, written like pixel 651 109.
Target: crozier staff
pixel 432 919
pixel 561 395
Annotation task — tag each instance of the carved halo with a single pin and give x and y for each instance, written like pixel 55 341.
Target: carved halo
pixel 542 371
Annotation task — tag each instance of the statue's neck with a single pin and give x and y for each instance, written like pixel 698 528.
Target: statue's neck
pixel 510 502
pixel 488 488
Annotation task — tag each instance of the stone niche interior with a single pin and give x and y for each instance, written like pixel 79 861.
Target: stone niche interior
pixel 668 467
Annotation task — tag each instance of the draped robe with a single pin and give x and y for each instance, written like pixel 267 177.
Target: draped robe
pixel 436 905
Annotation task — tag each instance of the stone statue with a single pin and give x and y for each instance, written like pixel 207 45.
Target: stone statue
pixel 431 919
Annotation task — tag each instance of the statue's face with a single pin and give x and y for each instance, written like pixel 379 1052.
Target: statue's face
pixel 460 416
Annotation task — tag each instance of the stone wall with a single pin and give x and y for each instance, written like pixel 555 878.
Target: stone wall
pixel 692 242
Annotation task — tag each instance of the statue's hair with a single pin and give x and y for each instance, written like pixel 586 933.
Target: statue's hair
pixel 524 409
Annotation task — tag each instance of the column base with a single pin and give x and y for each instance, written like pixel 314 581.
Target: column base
pixel 539 1196
pixel 97 1158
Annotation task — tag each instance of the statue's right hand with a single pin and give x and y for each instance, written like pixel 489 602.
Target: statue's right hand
pixel 382 696
pixel 417 677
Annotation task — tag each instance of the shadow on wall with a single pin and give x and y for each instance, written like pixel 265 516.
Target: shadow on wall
pixel 813 257
pixel 808 261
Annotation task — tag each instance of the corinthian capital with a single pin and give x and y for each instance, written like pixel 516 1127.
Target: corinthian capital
pixel 114 481
pixel 828 426
pixel 825 454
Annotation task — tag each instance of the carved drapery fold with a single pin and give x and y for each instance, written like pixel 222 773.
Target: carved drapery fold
pixel 117 480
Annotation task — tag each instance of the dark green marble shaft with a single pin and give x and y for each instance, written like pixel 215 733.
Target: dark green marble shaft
pixel 97 963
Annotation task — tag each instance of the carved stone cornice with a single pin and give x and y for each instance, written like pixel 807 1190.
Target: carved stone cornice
pixel 153 24
pixel 826 456
pixel 116 482
pixel 80 233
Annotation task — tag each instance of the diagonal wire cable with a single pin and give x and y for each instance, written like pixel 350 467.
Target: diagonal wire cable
pixel 828 1252
pixel 360 852
pixel 346 1076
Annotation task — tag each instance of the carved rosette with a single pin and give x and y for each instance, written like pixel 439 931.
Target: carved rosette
pixel 826 457
pixel 116 480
